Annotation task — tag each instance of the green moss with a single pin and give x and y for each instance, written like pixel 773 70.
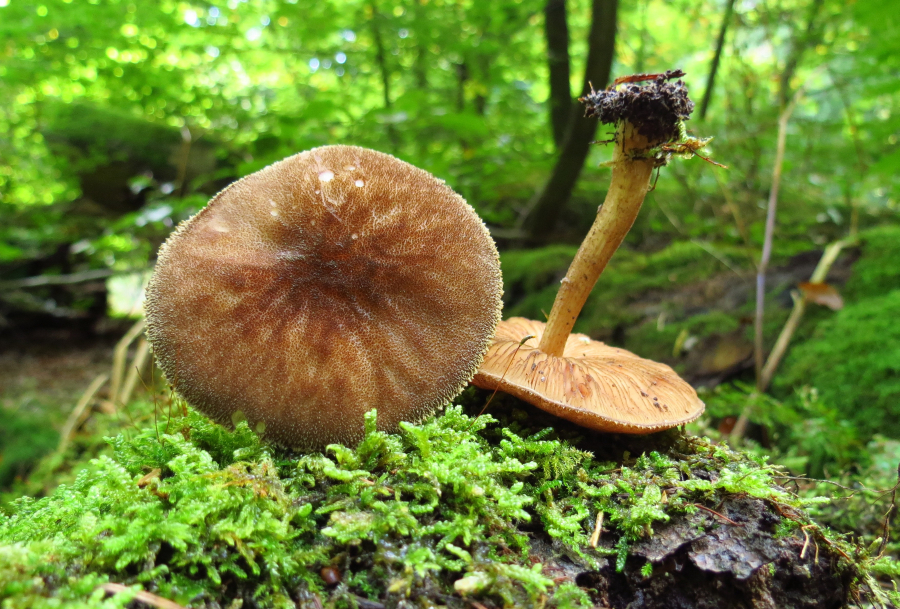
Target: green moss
pixel 877 272
pixel 202 515
pixel 28 579
pixel 853 359
pixel 108 131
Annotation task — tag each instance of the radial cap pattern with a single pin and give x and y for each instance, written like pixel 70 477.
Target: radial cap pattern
pixel 592 384
pixel 330 283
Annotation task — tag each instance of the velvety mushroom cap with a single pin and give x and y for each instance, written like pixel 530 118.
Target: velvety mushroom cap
pixel 330 283
pixel 592 384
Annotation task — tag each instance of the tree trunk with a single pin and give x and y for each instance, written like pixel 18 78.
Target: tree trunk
pixel 546 206
pixel 798 46
pixel 381 60
pixel 714 67
pixel 557 32
pixel 420 67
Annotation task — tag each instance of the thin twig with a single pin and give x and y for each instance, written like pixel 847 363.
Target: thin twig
pixel 598 529
pixel 805 543
pixel 769 233
pixel 43 280
pixel 704 246
pixel 886 530
pixel 709 250
pixel 735 211
pixel 143 596
pixel 818 276
pixel 829 256
pixel 722 516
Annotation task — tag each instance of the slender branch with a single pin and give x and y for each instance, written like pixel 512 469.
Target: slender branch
pixel 787 332
pixel 799 44
pixel 722 516
pixel 740 427
pixel 138 364
pixel 44 280
pixel 714 66
pixel 857 145
pixel 767 241
pixel 828 258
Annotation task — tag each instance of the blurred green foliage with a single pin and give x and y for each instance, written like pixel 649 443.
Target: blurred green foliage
pixel 456 88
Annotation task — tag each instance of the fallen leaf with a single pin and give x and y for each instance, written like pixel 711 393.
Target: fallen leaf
pixel 823 294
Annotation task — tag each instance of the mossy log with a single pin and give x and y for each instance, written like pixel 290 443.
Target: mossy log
pixel 457 512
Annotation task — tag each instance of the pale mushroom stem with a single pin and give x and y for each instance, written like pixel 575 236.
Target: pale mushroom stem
pixel 629 185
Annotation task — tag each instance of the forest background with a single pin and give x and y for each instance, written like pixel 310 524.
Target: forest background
pixel 120 119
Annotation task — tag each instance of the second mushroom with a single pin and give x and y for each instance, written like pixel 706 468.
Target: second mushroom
pixel 570 375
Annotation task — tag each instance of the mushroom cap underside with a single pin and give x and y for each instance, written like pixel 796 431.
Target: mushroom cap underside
pixel 325 285
pixel 591 384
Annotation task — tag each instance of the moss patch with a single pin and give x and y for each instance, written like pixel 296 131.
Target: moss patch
pixel 877 272
pixel 446 512
pixel 853 359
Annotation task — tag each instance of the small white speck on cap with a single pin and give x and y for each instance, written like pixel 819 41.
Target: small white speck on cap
pixel 326 176
pixel 359 183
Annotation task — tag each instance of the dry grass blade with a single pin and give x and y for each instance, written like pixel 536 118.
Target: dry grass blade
pixel 78 411
pixel 118 368
pixel 137 365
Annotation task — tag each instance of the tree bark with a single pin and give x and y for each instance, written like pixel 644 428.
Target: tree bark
pixel 714 67
pixel 556 30
pixel 546 206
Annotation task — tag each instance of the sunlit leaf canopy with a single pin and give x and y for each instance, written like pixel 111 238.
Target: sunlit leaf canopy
pixel 456 87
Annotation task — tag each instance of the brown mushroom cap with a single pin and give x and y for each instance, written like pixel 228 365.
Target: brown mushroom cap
pixel 330 283
pixel 592 384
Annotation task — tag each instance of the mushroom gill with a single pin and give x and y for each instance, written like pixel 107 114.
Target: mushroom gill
pixel 589 383
pixel 330 283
